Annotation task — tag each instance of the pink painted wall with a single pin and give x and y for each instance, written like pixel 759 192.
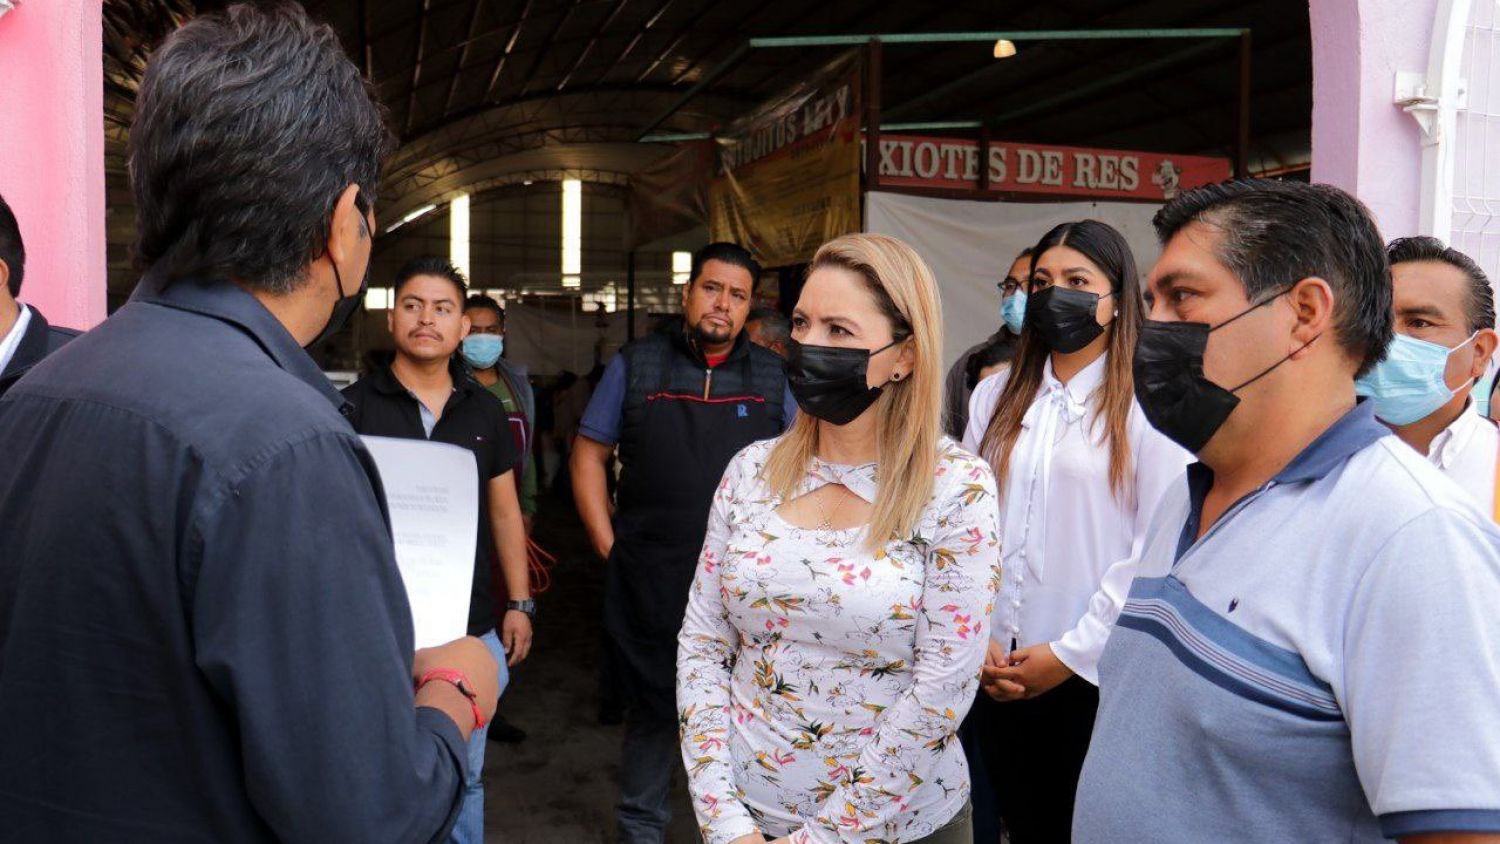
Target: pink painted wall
pixel 1362 141
pixel 52 153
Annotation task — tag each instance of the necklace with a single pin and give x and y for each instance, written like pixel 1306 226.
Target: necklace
pixel 826 517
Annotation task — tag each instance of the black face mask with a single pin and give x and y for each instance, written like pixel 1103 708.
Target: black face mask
pixel 1176 397
pixel 345 306
pixel 1067 319
pixel 831 383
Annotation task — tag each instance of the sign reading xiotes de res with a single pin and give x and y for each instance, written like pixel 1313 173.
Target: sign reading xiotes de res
pixel 910 161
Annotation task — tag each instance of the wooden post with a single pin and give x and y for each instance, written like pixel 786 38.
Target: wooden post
pixel 872 114
pixel 1242 137
pixel 984 159
pixel 630 295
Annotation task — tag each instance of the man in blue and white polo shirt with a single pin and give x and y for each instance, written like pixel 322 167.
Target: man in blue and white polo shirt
pixel 1311 649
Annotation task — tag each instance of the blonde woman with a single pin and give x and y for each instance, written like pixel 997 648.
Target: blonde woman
pixel 839 615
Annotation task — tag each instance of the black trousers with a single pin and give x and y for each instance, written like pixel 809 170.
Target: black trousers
pixel 1033 752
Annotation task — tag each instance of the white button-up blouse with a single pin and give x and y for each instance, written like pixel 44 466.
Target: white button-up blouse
pixel 1069 543
pixel 820 684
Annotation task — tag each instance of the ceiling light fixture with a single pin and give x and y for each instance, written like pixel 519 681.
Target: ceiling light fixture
pixel 1004 49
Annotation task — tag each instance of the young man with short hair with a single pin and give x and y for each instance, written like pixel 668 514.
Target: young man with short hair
pixel 1308 650
pixel 483 349
pixel 203 632
pixel 426 394
pixel 1445 337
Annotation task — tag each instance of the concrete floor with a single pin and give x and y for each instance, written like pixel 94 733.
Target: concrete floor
pixel 559 786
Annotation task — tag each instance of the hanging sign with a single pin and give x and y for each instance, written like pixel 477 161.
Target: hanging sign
pixel 909 161
pixel 788 172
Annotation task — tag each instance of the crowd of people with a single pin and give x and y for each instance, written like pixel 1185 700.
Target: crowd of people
pixel 1207 554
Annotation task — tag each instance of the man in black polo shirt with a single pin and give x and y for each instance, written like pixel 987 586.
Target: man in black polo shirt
pixel 427 394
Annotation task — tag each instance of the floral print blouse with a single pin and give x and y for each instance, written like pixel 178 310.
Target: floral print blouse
pixel 820 685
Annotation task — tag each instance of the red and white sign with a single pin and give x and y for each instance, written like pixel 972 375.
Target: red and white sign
pixel 909 161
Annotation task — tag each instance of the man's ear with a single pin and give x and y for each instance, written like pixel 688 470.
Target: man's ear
pixel 347 226
pixel 5 281
pixel 468 325
pixel 1312 304
pixel 1484 349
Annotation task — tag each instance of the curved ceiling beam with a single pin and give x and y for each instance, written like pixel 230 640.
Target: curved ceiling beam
pixel 447 178
pixel 718 102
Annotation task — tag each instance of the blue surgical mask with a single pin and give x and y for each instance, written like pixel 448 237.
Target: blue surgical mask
pixel 1013 311
pixel 1409 384
pixel 482 350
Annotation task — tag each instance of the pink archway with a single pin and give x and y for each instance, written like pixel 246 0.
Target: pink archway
pixel 1361 140
pixel 52 152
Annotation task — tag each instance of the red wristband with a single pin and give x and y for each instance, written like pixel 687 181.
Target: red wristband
pixel 460 682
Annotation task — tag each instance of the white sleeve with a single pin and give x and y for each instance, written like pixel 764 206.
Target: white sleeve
pixel 981 409
pixel 1421 678
pixel 1159 463
pixel 706 650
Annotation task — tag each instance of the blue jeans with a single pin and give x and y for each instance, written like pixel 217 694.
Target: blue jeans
pixel 469 828
pixel 649 755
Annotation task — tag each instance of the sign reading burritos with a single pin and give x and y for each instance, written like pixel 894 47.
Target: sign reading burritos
pixel 908 161
pixel 788 172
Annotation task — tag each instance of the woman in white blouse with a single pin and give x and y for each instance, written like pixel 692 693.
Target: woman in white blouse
pixel 1081 471
pixel 838 619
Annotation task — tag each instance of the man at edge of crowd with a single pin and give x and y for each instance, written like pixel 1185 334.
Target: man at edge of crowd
pixel 1307 652
pixel 679 404
pixel 426 393
pixel 1445 337
pixel 25 336
pixel 203 632
pixel 483 350
pixel 956 387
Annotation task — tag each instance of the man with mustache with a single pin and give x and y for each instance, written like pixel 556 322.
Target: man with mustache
pixel 678 404
pixel 426 393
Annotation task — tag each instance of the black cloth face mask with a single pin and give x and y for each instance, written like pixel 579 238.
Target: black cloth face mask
pixel 831 383
pixel 345 306
pixel 1176 397
pixel 1067 319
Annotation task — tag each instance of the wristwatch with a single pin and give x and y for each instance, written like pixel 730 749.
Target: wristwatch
pixel 527 606
pixel 460 682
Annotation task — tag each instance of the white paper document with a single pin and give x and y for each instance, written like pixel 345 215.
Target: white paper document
pixel 432 490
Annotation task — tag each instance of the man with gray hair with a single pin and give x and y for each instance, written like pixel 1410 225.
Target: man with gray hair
pixel 203 633
pixel 769 329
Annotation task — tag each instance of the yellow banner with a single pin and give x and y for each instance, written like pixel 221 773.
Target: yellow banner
pixel 789 171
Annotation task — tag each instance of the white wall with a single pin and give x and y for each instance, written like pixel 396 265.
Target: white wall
pixel 969 245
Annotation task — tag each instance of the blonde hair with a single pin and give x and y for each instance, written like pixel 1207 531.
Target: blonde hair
pixel 908 411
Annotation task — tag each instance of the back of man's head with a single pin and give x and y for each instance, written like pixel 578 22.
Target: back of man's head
pixel 729 253
pixel 1479 303
pixel 12 250
pixel 1272 234
pixel 249 124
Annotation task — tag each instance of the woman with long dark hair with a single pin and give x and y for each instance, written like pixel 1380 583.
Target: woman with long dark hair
pixel 1080 471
